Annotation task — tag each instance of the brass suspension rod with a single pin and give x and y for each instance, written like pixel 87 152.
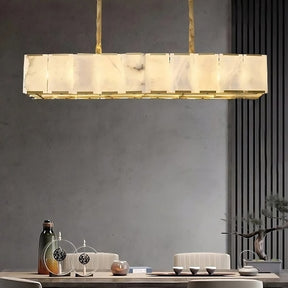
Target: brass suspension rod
pixel 191 27
pixel 98 48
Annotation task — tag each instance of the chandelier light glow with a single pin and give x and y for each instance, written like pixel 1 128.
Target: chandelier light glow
pixel 148 76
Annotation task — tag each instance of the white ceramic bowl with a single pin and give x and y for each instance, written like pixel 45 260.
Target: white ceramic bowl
pixel 177 269
pixel 194 270
pixel 210 269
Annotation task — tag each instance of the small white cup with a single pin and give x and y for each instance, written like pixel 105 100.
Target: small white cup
pixel 210 269
pixel 194 270
pixel 177 269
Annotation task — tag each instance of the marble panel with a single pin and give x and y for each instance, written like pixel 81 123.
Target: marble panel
pixel 84 73
pixel 110 73
pixel 134 72
pixel 180 72
pixel 255 76
pixel 35 73
pixel 60 73
pixel 230 70
pixel 157 72
pixel 194 73
pixel 206 66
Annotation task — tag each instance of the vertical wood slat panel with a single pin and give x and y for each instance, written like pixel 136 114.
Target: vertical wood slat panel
pixel 256 119
pixel 258 133
pixel 268 118
pixel 251 119
pixel 285 117
pixel 232 148
pixel 275 54
pixel 262 103
pixel 280 119
pixel 284 103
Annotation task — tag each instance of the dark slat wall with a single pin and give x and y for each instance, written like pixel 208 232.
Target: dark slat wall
pixel 258 132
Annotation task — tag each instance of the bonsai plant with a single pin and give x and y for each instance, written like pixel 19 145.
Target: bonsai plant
pixel 276 208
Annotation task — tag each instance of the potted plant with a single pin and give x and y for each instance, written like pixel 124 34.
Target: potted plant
pixel 276 208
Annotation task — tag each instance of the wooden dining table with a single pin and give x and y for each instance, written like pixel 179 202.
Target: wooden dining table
pixel 153 280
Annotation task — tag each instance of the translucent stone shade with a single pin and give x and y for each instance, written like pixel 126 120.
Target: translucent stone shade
pixel 187 76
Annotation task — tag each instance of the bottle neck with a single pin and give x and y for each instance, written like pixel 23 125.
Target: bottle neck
pixel 47 226
pixel 48 230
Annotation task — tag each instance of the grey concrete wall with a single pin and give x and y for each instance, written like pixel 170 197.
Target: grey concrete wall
pixel 145 179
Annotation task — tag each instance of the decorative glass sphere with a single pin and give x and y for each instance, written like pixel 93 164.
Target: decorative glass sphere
pixel 58 257
pixel 85 260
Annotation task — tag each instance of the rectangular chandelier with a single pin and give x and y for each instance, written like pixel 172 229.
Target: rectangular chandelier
pixel 167 76
pixel 145 76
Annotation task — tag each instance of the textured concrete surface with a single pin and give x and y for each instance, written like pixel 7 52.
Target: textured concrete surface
pixel 145 179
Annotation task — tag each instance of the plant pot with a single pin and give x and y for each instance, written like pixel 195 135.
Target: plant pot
pixel 273 266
